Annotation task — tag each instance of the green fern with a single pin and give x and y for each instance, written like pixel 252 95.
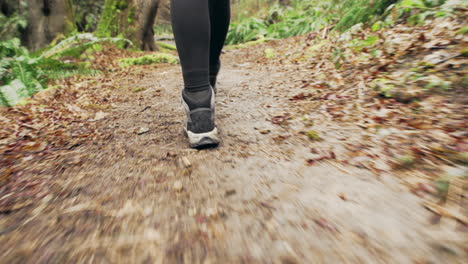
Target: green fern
pixel 77 44
pixel 13 24
pixel 23 74
pixel 247 30
pixel 3 100
pixel 304 16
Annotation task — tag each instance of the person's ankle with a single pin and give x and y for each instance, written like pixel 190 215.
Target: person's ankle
pixel 199 98
pixel 213 79
pixel 214 70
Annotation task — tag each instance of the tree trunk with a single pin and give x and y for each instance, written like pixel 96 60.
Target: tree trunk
pixel 133 19
pixel 164 12
pixel 47 19
pixel 87 14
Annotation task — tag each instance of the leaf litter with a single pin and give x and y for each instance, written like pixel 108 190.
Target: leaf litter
pixel 52 122
pixel 403 95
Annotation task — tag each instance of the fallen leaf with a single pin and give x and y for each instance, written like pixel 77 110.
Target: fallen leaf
pixel 322 222
pixel 446 212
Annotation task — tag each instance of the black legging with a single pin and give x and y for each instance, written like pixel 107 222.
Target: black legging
pixel 200 28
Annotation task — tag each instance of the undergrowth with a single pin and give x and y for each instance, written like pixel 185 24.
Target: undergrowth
pixel 22 74
pixel 12 24
pixel 301 17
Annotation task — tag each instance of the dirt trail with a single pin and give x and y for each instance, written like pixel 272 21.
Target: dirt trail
pixel 136 198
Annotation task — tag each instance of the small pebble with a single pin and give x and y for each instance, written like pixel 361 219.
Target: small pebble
pixel 186 162
pixel 178 186
pixel 212 213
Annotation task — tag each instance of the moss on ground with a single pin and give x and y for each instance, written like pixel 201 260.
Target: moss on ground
pixel 149 59
pixel 165 45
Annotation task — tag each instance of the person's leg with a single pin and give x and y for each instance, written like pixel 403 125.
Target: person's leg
pixel 220 14
pixel 191 26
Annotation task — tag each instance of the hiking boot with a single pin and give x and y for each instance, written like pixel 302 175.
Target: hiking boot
pixel 200 124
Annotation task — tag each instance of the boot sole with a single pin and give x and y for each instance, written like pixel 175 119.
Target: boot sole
pixel 203 140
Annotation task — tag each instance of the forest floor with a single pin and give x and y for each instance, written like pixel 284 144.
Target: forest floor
pixel 314 166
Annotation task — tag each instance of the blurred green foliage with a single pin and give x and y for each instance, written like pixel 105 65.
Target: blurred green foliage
pixel 22 74
pixel 87 14
pixel 12 23
pixel 274 21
